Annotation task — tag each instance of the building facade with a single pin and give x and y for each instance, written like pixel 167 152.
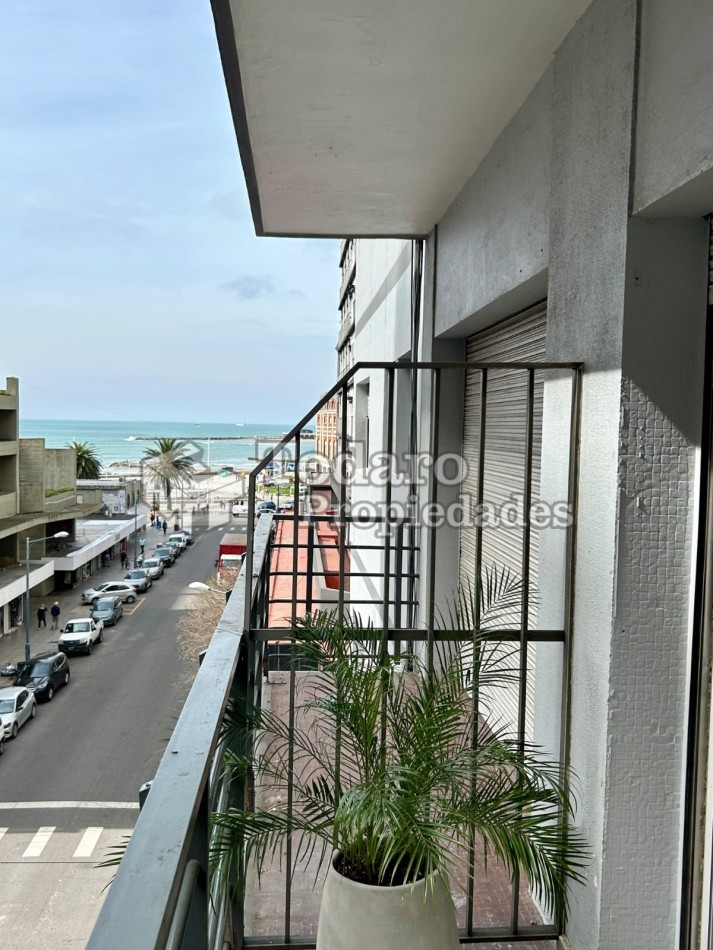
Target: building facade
pixel 326 431
pixel 530 190
pixel 39 498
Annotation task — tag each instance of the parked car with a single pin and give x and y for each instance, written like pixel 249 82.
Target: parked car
pixel 154 566
pixel 175 547
pixel 166 555
pixel 43 674
pixel 79 636
pixel 139 578
pixel 288 506
pixel 17 705
pixel 108 610
pixel 121 589
pixel 266 506
pixel 188 535
pixel 180 539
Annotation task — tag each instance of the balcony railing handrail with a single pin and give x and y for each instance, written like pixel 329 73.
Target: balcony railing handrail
pixel 384 365
pixel 144 896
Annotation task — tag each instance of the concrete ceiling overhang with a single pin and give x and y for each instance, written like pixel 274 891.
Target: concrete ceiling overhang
pixel 367 117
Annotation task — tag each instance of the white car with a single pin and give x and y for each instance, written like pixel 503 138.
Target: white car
pixel 17 705
pixel 153 566
pixel 179 538
pixel 121 589
pixel 79 636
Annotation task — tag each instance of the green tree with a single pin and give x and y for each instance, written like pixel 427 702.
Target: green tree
pixel 167 465
pixel 410 792
pixel 88 462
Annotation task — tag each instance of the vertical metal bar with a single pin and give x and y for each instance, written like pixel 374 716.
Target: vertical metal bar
pixel 386 591
pixel 524 607
pixel 342 504
pixel 195 931
pixel 416 281
pixel 293 688
pixel 398 582
pixel 572 498
pixel 433 524
pixel 295 528
pixel 248 563
pixel 476 626
pixel 241 795
pixel 343 437
pixel 310 566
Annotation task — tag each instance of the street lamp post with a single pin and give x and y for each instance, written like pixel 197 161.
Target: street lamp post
pixel 136 514
pixel 28 543
pixel 205 588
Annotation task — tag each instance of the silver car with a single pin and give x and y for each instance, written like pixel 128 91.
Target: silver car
pixel 121 589
pixel 153 566
pixel 17 705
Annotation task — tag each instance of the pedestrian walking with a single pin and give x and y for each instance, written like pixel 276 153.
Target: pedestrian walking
pixel 165 526
pixel 158 524
pixel 123 560
pixel 55 611
pixel 142 544
pixel 153 518
pixel 41 616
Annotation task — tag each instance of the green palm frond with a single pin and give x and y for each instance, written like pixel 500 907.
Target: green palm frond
pixel 412 789
pixel 88 462
pixel 168 466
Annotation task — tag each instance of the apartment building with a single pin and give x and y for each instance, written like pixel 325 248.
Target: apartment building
pixel 528 189
pixel 40 498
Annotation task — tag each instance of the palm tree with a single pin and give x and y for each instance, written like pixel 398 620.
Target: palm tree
pixel 410 792
pixel 88 462
pixel 168 465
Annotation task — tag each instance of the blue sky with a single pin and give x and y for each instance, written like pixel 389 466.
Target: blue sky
pixel 131 282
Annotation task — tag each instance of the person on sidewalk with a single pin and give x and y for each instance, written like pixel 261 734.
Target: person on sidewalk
pixel 41 616
pixel 55 611
pixel 165 526
pixel 142 544
pixel 158 524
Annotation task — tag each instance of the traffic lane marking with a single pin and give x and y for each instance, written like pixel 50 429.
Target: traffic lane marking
pixel 39 842
pixel 88 843
pixel 31 806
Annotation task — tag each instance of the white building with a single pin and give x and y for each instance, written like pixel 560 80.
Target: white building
pixel 539 177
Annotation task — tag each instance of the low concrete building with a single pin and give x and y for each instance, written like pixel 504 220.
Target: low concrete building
pixel 38 499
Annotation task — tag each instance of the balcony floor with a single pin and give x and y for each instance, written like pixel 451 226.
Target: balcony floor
pixel 264 909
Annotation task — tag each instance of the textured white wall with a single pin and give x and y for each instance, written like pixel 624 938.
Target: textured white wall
pixel 674 145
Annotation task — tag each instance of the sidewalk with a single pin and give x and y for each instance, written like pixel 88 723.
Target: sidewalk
pixel 12 645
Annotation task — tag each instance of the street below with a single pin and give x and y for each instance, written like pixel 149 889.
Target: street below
pixel 69 782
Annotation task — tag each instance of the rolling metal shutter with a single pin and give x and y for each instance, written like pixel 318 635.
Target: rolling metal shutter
pixel 519 339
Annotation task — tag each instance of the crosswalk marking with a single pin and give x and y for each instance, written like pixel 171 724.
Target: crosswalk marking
pixel 88 843
pixel 39 841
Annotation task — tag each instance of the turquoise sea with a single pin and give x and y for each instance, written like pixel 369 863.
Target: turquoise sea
pixel 118 442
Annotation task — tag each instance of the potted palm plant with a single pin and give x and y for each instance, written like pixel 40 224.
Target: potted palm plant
pixel 417 779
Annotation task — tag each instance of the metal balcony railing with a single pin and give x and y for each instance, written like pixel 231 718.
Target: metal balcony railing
pixel 390 562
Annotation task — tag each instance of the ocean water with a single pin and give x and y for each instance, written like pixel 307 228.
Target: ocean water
pixel 121 442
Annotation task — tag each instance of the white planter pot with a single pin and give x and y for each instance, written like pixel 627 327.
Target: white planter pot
pixel 355 916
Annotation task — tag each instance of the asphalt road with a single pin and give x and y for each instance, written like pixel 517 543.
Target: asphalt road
pixel 69 782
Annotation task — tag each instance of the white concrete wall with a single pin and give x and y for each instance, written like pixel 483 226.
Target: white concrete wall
pixel 674 146
pixel 493 243
pixel 383 333
pixel 549 212
pixel 554 194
